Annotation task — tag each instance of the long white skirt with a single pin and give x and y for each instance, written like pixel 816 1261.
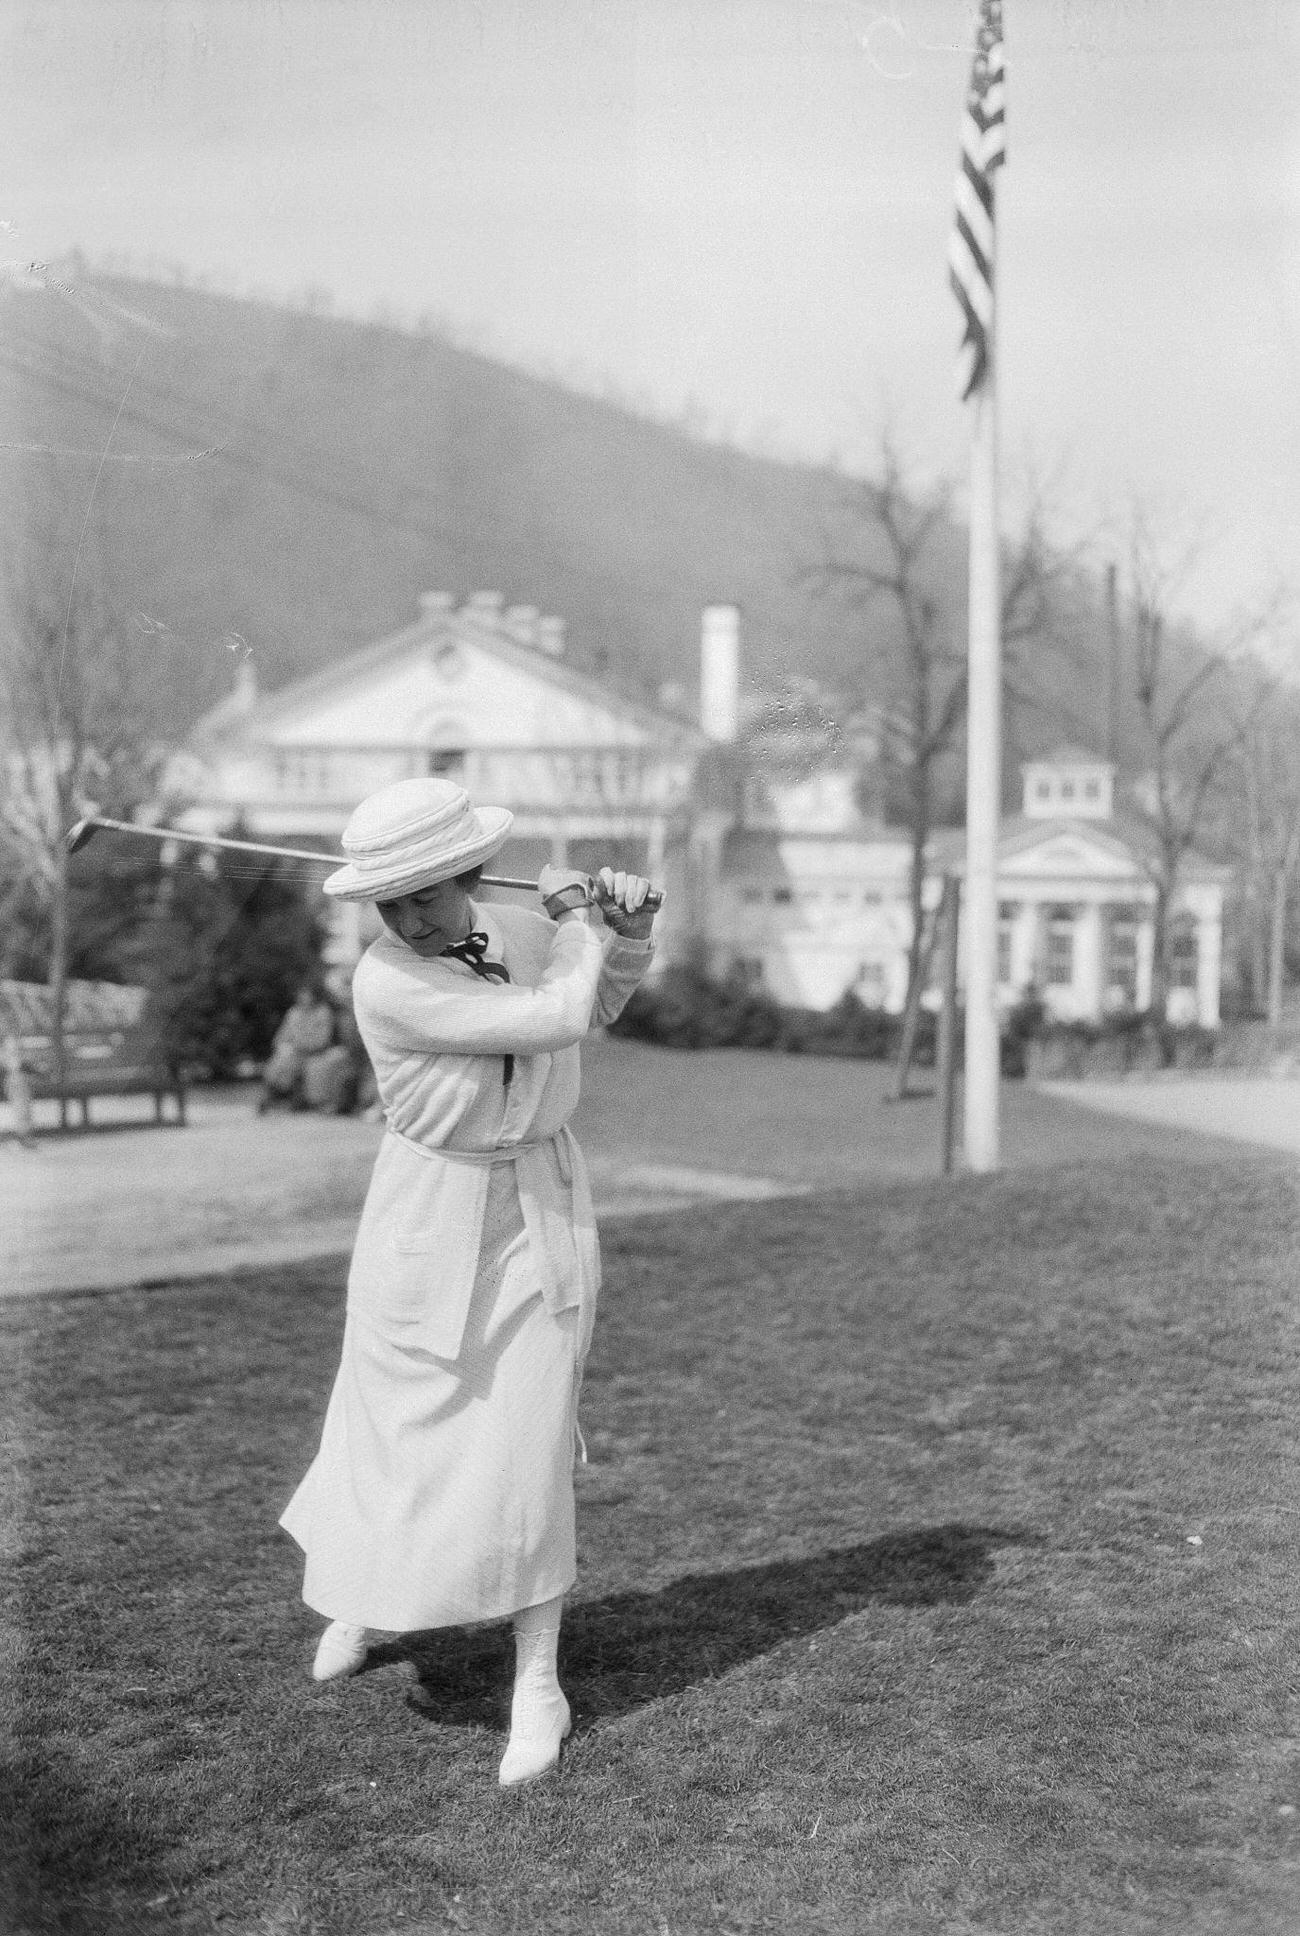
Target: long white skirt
pixel 442 1493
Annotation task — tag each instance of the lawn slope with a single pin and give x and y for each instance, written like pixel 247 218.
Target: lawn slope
pixel 938 1574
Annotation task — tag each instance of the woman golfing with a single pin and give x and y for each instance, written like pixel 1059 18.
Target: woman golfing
pixel 442 1493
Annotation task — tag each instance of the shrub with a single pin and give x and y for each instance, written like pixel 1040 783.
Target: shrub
pixel 850 1029
pixel 228 958
pixel 686 1009
pixel 1120 1045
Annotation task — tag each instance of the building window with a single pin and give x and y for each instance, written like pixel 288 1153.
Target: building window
pixel 1092 789
pixel 300 771
pixel 447 762
pixel 1042 790
pixel 1058 965
pixel 870 985
pixel 1183 954
pixel 587 778
pixel 1122 954
pixel 1067 789
pixel 628 782
pixel 782 896
pixel 1006 920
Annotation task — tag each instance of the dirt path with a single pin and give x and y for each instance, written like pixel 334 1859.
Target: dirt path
pixel 130 1203
pixel 1248 1109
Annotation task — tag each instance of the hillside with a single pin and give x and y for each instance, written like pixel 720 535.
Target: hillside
pixel 294 482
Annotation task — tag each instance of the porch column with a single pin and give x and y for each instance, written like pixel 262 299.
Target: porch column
pixel 1021 964
pixel 1090 963
pixel 656 843
pixel 1146 949
pixel 1209 962
pixel 1033 944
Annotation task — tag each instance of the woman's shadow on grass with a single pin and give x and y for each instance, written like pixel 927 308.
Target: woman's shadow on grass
pixel 619 1653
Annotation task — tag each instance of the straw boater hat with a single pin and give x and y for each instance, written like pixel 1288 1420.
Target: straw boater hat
pixel 411 835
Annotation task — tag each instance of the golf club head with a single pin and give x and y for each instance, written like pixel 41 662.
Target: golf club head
pixel 77 836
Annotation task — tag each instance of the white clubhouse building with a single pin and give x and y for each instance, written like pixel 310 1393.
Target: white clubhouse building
pixel 481 693
pixel 775 875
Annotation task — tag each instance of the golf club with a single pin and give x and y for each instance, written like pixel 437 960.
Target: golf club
pixel 85 830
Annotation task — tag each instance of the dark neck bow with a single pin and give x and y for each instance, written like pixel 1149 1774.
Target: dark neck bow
pixel 472 951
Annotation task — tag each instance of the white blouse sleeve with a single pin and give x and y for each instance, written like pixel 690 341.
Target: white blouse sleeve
pixel 625 963
pixel 427 1007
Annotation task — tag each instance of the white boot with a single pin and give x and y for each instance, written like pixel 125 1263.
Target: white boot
pixel 342 1650
pixel 539 1713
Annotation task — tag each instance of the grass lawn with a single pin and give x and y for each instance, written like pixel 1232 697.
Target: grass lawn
pixel 939 1573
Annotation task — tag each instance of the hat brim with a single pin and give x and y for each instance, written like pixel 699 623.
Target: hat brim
pixel 388 879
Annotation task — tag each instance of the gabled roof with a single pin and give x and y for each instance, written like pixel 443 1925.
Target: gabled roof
pixel 759 851
pixel 476 626
pixel 1067 754
pixel 1125 836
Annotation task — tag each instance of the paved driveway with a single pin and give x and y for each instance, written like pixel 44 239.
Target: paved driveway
pixel 1248 1109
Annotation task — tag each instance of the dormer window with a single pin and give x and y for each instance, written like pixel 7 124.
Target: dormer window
pixel 1070 783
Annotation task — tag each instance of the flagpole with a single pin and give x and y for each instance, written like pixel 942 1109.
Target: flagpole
pixel 983 779
pixel 972 273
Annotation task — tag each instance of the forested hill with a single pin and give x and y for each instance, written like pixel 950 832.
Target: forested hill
pixel 295 481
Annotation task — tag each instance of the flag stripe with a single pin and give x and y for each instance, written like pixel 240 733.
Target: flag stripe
pixel 971 246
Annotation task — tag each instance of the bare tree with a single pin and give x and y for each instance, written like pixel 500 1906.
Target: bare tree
pixel 71 731
pixel 1190 732
pixel 891 551
pixel 1269 762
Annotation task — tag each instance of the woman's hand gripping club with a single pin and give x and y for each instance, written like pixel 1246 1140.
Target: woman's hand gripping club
pixel 627 902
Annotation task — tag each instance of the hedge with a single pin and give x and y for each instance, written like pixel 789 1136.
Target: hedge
pixel 684 1008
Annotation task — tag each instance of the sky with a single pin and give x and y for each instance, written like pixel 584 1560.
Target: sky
pixel 738 211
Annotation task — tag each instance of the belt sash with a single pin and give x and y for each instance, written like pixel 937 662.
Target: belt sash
pixel 561 1224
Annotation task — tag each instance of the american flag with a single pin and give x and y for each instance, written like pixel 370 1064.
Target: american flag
pixel 983 149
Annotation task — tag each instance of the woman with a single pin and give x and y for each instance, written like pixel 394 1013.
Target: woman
pixel 443 1490
pixel 306 1032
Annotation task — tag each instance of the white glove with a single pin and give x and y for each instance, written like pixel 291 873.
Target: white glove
pixel 564 888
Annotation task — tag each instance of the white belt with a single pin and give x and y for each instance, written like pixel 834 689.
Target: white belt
pixel 562 1142
pixel 567 1258
pixel 564 1247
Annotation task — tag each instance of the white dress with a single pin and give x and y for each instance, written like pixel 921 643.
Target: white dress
pixel 442 1492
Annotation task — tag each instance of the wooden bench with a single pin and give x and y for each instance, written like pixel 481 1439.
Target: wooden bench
pixel 106 1050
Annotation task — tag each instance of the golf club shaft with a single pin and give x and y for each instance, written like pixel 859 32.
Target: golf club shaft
pixel 78 836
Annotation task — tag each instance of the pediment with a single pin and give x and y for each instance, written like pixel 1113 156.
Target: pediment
pixel 1071 856
pixel 451 691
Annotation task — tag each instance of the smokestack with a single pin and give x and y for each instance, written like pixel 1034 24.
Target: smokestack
pixel 246 683
pixel 720 671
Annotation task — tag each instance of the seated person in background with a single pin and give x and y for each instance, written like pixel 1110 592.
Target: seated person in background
pixel 339 1079
pixel 306 1031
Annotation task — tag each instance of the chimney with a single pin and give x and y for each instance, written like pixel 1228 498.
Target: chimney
pixel 720 671
pixel 550 636
pixel 521 623
pixel 436 604
pixel 246 683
